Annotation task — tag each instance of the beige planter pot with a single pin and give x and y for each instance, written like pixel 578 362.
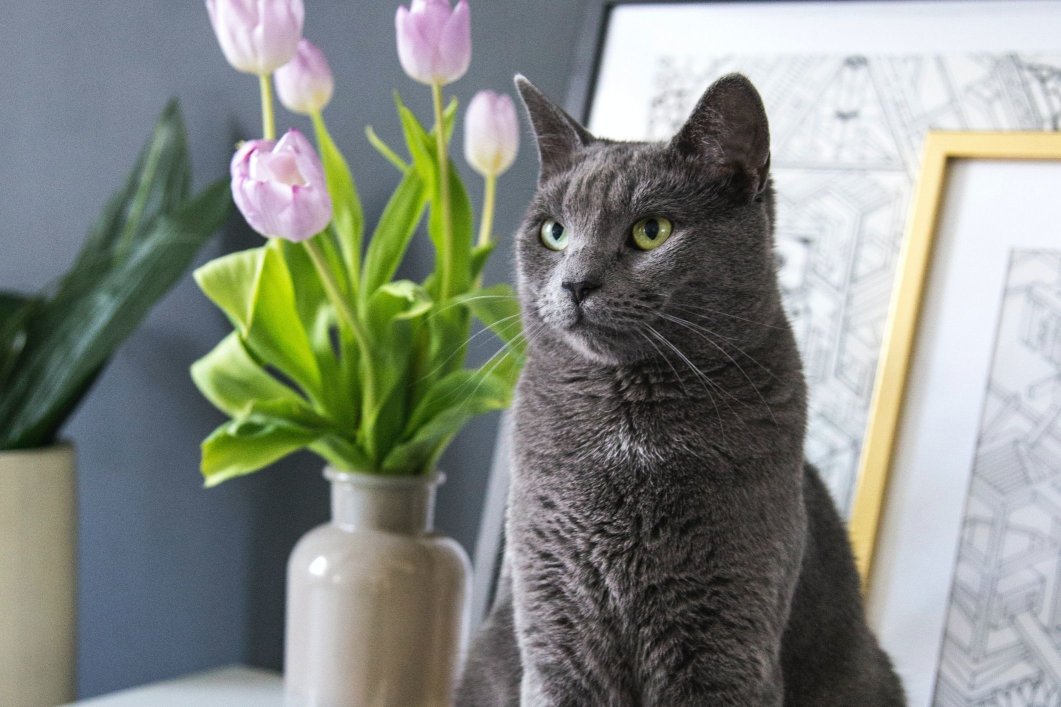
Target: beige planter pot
pixel 38 524
pixel 376 602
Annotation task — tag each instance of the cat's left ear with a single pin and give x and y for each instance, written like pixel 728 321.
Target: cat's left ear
pixel 729 127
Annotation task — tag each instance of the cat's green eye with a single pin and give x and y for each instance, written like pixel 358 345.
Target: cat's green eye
pixel 554 235
pixel 651 232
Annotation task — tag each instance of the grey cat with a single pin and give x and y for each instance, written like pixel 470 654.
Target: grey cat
pixel 666 542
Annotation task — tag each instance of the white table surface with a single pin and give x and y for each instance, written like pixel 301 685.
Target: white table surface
pixel 231 686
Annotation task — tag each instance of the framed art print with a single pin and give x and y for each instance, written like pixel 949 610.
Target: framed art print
pixel 965 587
pixel 851 89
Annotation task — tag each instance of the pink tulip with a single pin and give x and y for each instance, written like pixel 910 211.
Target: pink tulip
pixel 257 36
pixel 305 84
pixel 434 40
pixel 280 187
pixel 491 133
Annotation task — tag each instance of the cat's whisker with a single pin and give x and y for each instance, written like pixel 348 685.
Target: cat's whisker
pixel 725 353
pixel 505 321
pixel 677 376
pixel 703 376
pixel 700 309
pixel 701 327
pixel 465 300
pixel 699 374
pixel 507 349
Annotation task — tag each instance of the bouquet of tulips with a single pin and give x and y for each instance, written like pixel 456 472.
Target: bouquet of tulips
pixel 329 352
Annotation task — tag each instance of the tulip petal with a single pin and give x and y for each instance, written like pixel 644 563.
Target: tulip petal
pixel 257 36
pixel 434 40
pixel 455 44
pixel 280 187
pixel 305 84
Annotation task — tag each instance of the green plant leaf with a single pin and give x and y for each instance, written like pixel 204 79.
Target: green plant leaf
pixel 480 254
pixel 70 339
pixel 395 229
pixel 446 408
pixel 421 142
pixel 463 226
pixel 15 313
pixel 343 454
pixel 347 216
pixel 390 317
pixel 158 184
pixel 396 301
pixel 234 450
pixel 229 283
pixel 420 145
pixel 385 150
pixel 233 381
pixel 254 289
pixel 340 395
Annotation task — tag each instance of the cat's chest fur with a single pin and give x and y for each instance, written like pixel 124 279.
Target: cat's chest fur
pixel 612 469
pixel 624 420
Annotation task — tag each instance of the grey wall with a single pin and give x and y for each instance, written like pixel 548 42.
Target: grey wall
pixel 173 577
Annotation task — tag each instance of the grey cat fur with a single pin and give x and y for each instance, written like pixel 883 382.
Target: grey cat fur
pixel 666 542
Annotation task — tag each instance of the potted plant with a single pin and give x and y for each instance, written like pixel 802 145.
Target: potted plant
pixel 330 353
pixel 53 346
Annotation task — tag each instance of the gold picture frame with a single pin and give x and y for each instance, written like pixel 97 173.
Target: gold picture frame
pixel 900 336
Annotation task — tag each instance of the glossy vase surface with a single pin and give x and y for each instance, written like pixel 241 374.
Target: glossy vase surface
pixel 376 601
pixel 38 543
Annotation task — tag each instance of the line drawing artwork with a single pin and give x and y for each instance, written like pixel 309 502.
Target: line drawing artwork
pixel 1002 645
pixel 846 136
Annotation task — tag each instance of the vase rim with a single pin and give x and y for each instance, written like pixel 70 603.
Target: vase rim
pixel 62 446
pixel 435 478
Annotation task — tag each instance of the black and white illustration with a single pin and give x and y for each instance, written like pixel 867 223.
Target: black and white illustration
pixel 847 133
pixel 1002 645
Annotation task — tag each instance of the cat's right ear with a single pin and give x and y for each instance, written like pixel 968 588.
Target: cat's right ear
pixel 559 136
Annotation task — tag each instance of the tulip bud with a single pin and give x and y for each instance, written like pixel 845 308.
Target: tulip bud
pixel 305 83
pixel 434 40
pixel 280 187
pixel 491 133
pixel 257 36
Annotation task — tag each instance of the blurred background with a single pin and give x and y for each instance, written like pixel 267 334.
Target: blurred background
pixel 172 577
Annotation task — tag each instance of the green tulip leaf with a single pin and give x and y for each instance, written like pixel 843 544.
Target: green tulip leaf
pixel 347 215
pixel 233 381
pixel 342 454
pixel 463 225
pixel 235 449
pixel 480 254
pixel 395 229
pixel 385 150
pixel 254 289
pixel 446 408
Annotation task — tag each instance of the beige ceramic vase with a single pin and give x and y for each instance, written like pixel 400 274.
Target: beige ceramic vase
pixel 376 601
pixel 38 525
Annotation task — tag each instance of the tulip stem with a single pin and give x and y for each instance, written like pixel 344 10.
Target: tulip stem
pixel 268 116
pixel 445 275
pixel 486 225
pixel 346 313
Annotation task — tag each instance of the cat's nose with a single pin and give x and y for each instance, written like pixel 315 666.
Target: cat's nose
pixel 580 289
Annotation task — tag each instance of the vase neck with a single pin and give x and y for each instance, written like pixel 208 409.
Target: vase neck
pixel 403 504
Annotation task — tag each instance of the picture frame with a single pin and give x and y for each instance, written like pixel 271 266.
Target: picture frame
pixel 988 39
pixel 965 583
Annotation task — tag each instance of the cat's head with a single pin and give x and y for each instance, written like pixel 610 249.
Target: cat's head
pixel 628 246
